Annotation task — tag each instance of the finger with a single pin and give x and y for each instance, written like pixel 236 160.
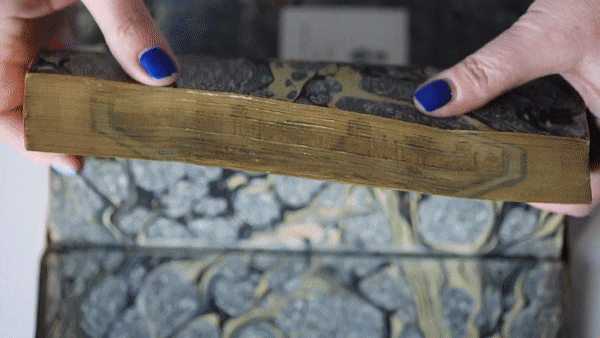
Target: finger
pixel 59 31
pixel 531 48
pixel 32 9
pixel 577 210
pixel 18 46
pixel 135 41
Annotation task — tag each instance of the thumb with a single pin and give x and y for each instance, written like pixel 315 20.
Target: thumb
pixel 520 54
pixel 134 39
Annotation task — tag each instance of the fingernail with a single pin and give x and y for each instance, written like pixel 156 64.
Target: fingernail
pixel 157 63
pixel 64 169
pixel 434 95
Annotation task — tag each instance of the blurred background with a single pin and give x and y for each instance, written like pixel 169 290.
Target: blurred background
pixel 425 33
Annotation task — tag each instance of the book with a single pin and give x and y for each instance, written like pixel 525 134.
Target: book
pixel 342 122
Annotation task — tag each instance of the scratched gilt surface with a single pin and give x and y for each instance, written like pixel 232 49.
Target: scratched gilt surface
pixel 334 260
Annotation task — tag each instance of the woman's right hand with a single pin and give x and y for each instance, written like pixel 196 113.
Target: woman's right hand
pixel 553 37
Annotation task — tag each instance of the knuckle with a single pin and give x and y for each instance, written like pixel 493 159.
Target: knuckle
pixel 129 26
pixel 478 72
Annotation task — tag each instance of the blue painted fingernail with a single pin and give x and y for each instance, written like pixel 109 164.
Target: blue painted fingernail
pixel 434 95
pixel 157 63
pixel 63 169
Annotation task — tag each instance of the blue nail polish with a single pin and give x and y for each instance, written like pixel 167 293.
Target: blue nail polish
pixel 63 169
pixel 157 63
pixel 434 95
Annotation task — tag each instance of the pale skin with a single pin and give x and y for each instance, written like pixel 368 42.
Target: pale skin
pixel 554 36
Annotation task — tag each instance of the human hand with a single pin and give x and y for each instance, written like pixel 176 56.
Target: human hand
pixel 27 26
pixel 552 37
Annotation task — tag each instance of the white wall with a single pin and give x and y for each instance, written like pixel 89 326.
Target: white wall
pixel 23 204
